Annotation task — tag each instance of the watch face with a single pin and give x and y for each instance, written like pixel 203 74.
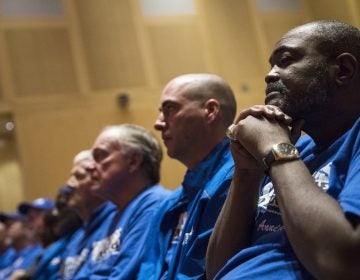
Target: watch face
pixel 285 151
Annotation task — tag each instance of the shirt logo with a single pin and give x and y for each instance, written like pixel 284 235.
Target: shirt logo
pixel 73 263
pixel 267 201
pixel 104 248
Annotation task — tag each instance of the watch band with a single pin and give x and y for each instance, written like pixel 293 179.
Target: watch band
pixel 268 161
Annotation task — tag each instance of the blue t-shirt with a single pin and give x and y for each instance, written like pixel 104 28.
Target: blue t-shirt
pixel 336 170
pixel 23 260
pixel 79 248
pixel 7 257
pixel 201 197
pixel 118 253
pixel 50 263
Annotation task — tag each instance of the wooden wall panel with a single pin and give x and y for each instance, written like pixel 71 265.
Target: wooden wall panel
pixel 110 44
pixel 176 49
pixel 1 90
pixel 330 9
pixel 249 92
pixel 48 141
pixel 276 26
pixel 41 61
pixel 11 191
pixel 233 39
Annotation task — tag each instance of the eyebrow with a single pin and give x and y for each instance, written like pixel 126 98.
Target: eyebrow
pixel 281 49
pixel 167 102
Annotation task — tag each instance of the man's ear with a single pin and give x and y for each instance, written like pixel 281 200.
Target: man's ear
pixel 347 68
pixel 212 107
pixel 134 161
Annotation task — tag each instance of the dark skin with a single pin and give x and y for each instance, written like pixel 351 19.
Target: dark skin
pixel 303 205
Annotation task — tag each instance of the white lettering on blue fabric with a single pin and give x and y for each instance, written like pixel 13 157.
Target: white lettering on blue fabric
pixel 187 236
pixel 267 201
pixel 107 247
pixel 263 226
pixel 322 176
pixel 73 263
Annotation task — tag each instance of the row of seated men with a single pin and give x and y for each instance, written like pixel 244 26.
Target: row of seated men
pixel 258 200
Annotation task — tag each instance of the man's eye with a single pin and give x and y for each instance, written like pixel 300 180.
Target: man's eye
pixel 99 156
pixel 79 176
pixel 168 109
pixel 285 60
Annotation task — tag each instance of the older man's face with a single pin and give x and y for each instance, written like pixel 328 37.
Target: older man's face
pixel 111 165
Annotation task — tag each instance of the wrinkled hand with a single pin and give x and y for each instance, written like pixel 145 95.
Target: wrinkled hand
pixel 257 129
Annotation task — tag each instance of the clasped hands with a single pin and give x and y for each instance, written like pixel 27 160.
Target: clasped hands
pixel 256 130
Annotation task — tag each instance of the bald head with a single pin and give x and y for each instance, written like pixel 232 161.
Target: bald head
pixel 331 37
pixel 202 87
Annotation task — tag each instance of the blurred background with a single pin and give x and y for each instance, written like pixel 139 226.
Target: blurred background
pixel 70 67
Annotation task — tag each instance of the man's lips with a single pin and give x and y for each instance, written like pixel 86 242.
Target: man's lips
pixel 95 177
pixel 166 138
pixel 271 95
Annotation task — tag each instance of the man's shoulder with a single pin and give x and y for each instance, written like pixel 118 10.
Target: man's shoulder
pixel 154 194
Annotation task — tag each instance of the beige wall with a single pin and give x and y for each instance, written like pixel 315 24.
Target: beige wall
pixel 60 77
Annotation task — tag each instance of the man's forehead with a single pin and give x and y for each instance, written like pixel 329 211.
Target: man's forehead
pixel 80 165
pixel 175 86
pixel 300 34
pixel 294 40
pixel 105 138
pixel 173 94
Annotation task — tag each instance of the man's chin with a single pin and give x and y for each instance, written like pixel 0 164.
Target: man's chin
pixel 170 153
pixel 95 189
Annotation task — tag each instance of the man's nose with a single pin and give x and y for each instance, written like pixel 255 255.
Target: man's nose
pixel 272 75
pixel 71 183
pixel 90 166
pixel 160 122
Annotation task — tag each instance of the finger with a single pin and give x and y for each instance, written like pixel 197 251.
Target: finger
pixel 275 113
pixel 231 134
pixel 270 112
pixel 254 111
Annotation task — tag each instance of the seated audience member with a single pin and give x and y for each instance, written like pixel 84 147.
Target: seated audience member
pixel 305 223
pixel 94 211
pixel 34 213
pixel 61 225
pixel 127 168
pixel 8 253
pixel 195 111
pixel 3 246
pixel 26 247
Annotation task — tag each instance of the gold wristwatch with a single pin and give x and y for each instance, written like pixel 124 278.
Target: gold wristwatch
pixel 280 152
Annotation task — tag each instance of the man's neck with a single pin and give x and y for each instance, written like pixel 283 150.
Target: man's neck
pixel 326 131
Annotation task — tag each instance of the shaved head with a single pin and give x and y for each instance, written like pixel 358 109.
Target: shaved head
pixel 202 87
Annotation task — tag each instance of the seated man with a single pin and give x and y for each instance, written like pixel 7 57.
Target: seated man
pixel 34 213
pixel 94 211
pixel 22 238
pixel 305 224
pixel 8 253
pixel 127 171
pixel 195 111
pixel 62 225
